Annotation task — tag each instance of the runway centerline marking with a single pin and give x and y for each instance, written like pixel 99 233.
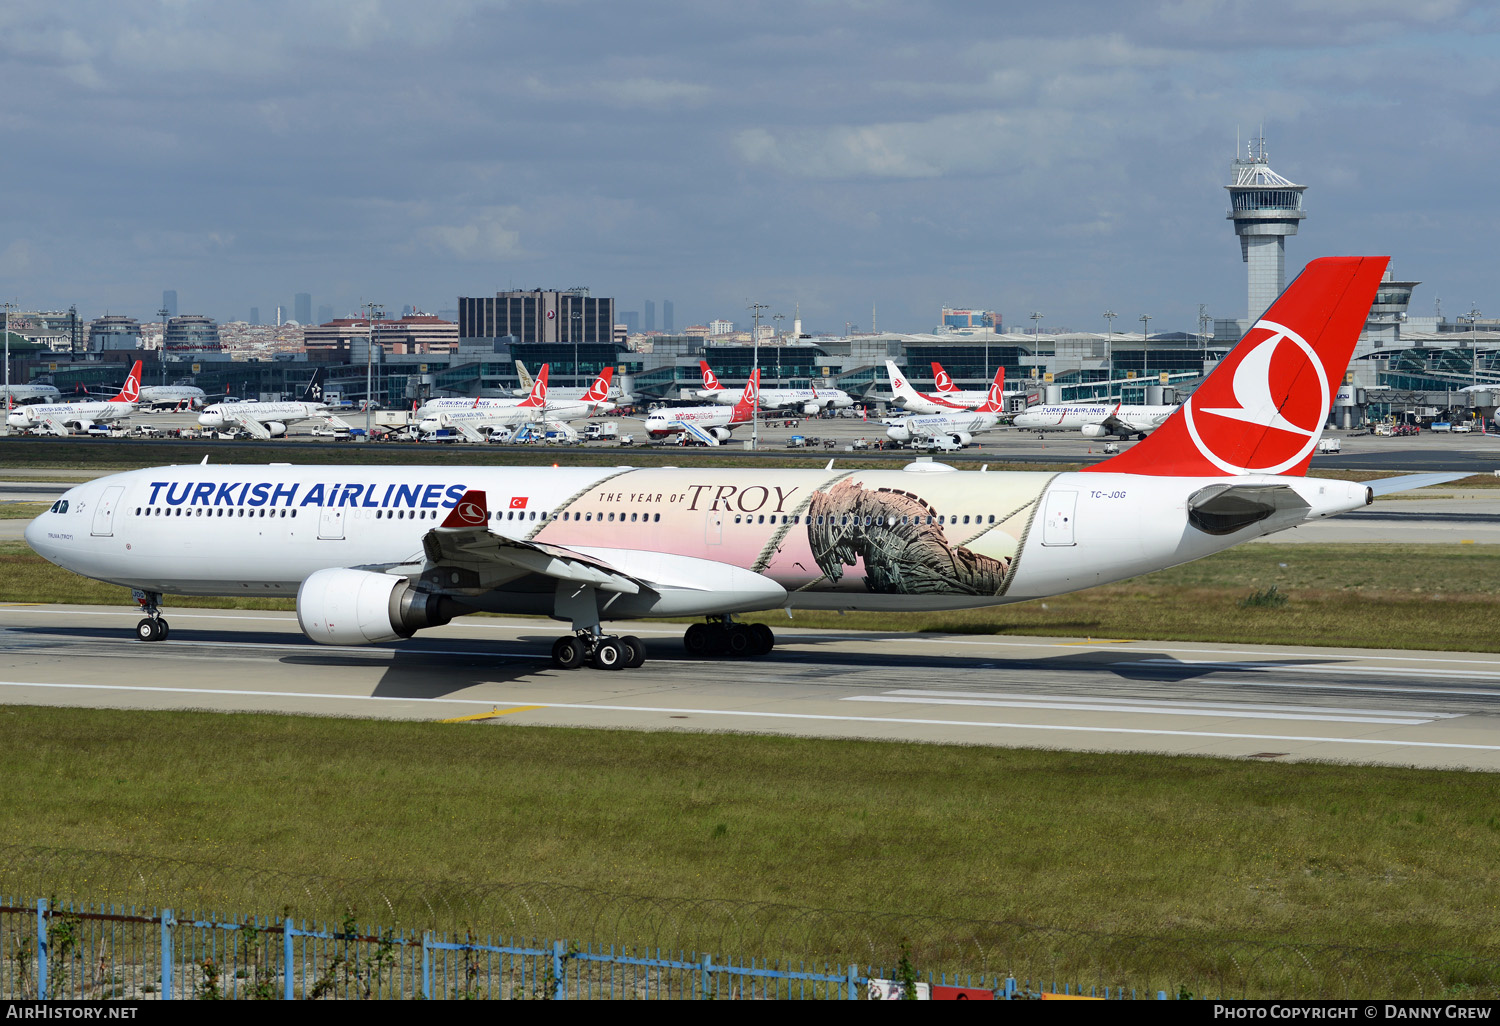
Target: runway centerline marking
pixel 810 717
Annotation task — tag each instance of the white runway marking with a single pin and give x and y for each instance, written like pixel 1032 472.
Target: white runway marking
pixel 813 717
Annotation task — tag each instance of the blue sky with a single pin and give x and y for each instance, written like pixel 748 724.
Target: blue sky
pixel 1066 158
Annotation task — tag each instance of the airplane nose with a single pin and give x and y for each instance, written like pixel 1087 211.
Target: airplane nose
pixel 209 419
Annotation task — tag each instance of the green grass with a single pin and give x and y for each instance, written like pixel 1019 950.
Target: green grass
pixel 22 510
pixel 269 812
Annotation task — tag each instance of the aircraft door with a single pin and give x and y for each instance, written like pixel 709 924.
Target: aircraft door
pixel 331 523
pixel 104 513
pixel 1057 521
pixel 713 530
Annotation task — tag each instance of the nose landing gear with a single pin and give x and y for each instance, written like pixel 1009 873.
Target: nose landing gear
pixel 153 627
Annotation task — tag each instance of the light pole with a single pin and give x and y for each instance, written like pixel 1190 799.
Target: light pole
pixel 1145 345
pixel 1036 337
pixel 372 310
pixel 1109 337
pixel 1474 344
pixel 8 306
pixel 755 309
pixel 1203 320
pixel 778 318
pixel 161 350
pixel 579 293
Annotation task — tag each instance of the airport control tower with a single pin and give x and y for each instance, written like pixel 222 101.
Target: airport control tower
pixel 1265 209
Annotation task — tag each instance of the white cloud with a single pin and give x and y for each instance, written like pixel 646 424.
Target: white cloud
pixel 489 237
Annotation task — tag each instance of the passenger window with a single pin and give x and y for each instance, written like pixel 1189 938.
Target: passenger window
pixel 658 518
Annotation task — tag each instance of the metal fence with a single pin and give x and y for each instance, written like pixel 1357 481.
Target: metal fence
pixel 62 951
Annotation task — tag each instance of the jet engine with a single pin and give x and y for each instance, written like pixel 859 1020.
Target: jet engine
pixel 962 438
pixel 812 409
pixel 722 434
pixel 276 427
pixel 1094 431
pixel 357 607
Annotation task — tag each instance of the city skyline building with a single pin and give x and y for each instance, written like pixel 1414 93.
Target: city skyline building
pixel 113 332
pixel 537 315
pixel 169 302
pixel 255 315
pixel 632 321
pixel 667 316
pixel 191 333
pixel 648 322
pixel 302 308
pixel 1265 209
pixel 325 314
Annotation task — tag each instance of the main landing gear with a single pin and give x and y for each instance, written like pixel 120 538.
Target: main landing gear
pixel 721 636
pixel 153 627
pixel 601 651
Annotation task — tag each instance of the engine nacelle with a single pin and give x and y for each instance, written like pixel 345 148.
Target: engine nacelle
pixel 1094 431
pixel 898 433
pixel 357 607
pixel 962 438
pixel 722 434
pixel 812 409
pixel 276 427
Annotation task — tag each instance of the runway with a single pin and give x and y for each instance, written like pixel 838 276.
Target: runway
pixel 1239 701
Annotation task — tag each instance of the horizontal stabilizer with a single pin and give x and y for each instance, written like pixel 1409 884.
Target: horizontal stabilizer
pixel 1406 482
pixel 1225 508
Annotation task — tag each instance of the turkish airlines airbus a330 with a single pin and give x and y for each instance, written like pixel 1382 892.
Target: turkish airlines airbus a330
pixel 375 554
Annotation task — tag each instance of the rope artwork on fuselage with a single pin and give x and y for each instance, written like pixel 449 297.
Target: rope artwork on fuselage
pixel 897 535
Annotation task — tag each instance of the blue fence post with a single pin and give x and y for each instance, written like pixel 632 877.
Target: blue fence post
pixel 166 954
pixel 426 966
pixel 703 976
pixel 41 949
pixel 288 961
pixel 559 985
pixel 853 977
pixel 1161 995
pixel 1010 988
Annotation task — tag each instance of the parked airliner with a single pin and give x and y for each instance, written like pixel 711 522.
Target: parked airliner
pixel 374 554
pixel 810 401
pixel 708 424
pixel 1095 420
pixel 270 420
pixel 60 418
pixel 594 400
pixel 960 427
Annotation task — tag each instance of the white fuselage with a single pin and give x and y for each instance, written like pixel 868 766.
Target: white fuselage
pixel 29 393
pixel 228 414
pixel 163 395
pixel 79 415
pixel 671 421
pixel 262 530
pixel 556 409
pixel 783 398
pixel 905 429
pixel 1112 418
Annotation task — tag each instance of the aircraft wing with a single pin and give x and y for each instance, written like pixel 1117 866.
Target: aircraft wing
pixel 472 559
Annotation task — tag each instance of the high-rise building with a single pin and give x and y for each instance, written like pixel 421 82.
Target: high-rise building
pixel 112 332
pixel 302 308
pixel 1265 209
pixel 666 316
pixel 537 316
pixel 650 324
pixel 632 321
pixel 325 314
pixel 255 315
pixel 191 333
pixel 169 302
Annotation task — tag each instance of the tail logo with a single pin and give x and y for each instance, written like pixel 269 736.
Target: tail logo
pixel 710 379
pixel 471 513
pixel 943 382
pixel 132 390
pixel 1217 415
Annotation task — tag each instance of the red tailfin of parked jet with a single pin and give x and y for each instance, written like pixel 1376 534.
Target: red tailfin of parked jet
pixel 538 396
pixel 744 410
pixel 131 392
pixel 941 382
pixel 1262 409
pixel 599 391
pixel 995 401
pixel 710 379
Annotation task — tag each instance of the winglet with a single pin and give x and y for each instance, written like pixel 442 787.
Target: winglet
pixel 1262 409
pixel 470 511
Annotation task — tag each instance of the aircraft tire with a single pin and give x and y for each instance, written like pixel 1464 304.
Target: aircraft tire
pixel 764 639
pixel 163 629
pixel 635 651
pixel 146 630
pixel 567 653
pixel 739 642
pixel 699 640
pixel 609 655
